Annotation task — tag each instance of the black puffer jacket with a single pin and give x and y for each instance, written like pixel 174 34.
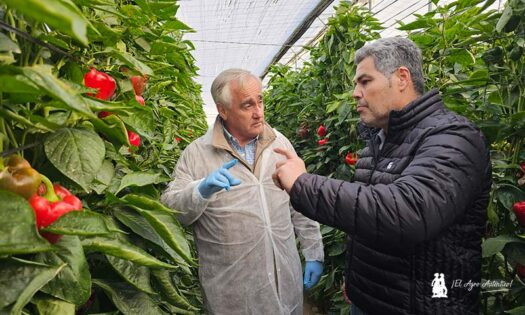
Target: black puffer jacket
pixel 417 207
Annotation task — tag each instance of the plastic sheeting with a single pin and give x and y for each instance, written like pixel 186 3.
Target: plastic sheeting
pixel 249 33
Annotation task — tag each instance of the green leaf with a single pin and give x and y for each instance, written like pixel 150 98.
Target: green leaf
pixel 85 223
pixel 127 299
pixel 113 127
pixel 104 176
pixel 129 60
pixel 51 306
pixel 515 252
pixel 70 97
pixel 507 195
pixel 143 123
pixel 175 25
pixel 504 19
pixel 461 56
pixel 76 153
pixel 417 24
pixel 123 249
pixel 170 230
pixel 169 291
pixel 332 106
pixel 73 283
pixel 18 233
pixel 21 279
pixel 136 275
pixel 496 244
pixel 17 84
pixel 6 44
pixel 139 225
pixel 520 310
pixel 62 15
pixel 145 203
pixel 141 179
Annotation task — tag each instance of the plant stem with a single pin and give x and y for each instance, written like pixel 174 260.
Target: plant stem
pixel 50 191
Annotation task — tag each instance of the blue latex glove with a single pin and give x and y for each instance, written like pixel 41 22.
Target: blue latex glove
pixel 218 180
pixel 312 273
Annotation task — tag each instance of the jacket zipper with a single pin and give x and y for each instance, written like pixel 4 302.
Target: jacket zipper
pixel 375 157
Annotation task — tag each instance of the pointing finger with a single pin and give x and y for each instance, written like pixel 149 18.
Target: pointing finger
pixel 230 164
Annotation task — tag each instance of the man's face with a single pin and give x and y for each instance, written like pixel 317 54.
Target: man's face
pixel 244 119
pixel 374 94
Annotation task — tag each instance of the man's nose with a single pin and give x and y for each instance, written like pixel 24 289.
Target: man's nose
pixel 357 93
pixel 258 112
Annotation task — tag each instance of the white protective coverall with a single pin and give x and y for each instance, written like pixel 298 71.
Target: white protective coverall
pixel 248 259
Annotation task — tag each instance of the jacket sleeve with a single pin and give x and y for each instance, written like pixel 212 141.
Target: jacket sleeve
pixel 306 230
pixel 182 193
pixel 441 181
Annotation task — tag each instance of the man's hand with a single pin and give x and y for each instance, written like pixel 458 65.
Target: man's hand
pixel 312 273
pixel 286 172
pixel 218 180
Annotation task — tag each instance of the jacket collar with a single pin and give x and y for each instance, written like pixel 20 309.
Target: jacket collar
pixel 415 111
pixel 410 115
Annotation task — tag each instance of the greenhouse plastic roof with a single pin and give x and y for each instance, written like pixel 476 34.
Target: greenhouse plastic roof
pixel 253 34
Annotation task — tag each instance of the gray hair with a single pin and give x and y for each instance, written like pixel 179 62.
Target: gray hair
pixel 220 88
pixel 391 53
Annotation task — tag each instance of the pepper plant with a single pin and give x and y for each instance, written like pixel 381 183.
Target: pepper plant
pixel 99 97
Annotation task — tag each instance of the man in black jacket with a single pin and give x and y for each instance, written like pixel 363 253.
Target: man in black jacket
pixel 416 210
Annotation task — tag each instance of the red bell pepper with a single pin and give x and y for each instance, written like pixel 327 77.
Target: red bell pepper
pixel 134 139
pixel 139 83
pixel 321 131
pixel 54 203
pixel 322 141
pixel 140 99
pixel 350 158
pixel 103 114
pixel 519 211
pixel 105 84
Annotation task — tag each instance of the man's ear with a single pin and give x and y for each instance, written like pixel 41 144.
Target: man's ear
pixel 222 111
pixel 404 78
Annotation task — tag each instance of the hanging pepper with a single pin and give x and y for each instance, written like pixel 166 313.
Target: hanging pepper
pixel 139 83
pixel 134 139
pixel 322 141
pixel 54 203
pixel 519 211
pixel 350 158
pixel 140 100
pixel 321 131
pixel 19 177
pixel 101 81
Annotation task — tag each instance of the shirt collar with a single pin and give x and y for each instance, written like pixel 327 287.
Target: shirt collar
pixel 232 139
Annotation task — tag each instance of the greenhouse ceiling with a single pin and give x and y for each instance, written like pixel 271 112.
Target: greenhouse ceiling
pixel 254 34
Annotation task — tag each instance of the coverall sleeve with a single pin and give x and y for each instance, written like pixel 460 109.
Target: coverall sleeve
pixel 449 171
pixel 309 236
pixel 182 193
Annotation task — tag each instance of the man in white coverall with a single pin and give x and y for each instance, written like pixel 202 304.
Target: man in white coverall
pixel 243 223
